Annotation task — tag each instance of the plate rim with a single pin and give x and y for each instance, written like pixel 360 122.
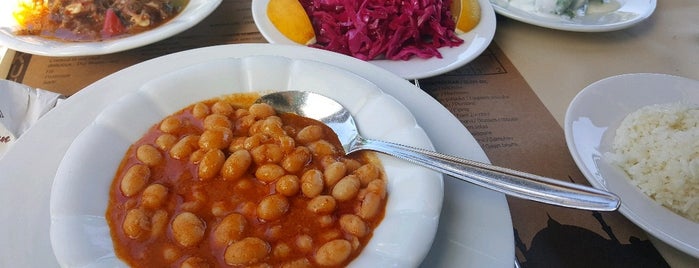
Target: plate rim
pixel 526 17
pixel 480 37
pixel 193 13
pixel 652 226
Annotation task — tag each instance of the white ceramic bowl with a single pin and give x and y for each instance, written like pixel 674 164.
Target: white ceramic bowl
pixel 475 42
pixel 590 125
pixel 80 234
pixel 193 13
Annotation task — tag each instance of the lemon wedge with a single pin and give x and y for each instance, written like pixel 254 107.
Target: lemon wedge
pixel 291 20
pixel 467 14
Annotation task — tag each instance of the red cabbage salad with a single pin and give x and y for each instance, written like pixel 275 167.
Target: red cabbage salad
pixel 383 29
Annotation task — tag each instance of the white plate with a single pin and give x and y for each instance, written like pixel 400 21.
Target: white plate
pixel 79 231
pixel 475 42
pixel 475 229
pixel 192 14
pixel 615 15
pixel 590 125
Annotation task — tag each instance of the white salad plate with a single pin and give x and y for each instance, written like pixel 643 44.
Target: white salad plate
pixel 590 126
pixel 475 229
pixel 193 13
pixel 475 42
pixel 601 17
pixel 80 194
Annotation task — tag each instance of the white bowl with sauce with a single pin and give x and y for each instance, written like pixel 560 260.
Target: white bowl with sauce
pixel 80 235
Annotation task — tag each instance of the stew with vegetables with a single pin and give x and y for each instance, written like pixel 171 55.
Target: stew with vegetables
pixel 223 183
pixel 93 20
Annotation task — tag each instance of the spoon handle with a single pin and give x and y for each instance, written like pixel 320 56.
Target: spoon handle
pixel 504 180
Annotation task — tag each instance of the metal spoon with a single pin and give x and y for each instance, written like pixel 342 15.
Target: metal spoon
pixel 507 181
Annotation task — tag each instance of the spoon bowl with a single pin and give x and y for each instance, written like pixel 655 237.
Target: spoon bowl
pixel 507 181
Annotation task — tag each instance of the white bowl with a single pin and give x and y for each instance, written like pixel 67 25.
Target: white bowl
pixel 590 125
pixel 80 234
pixel 193 13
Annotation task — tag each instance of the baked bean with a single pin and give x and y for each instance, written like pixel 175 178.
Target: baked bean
pixel 281 250
pixel 187 229
pixel 245 122
pixel 322 148
pixel 255 140
pixel 248 209
pixel 297 159
pixel 216 138
pixel 273 126
pixel 165 141
pixel 267 153
pixel 220 209
pixel 346 189
pixel 197 156
pixel 222 107
pixel 154 196
pixel 288 185
pixel 272 207
pixel 325 220
pixel 370 206
pixel 312 183
pixel 184 147
pixel 217 120
pixel 237 143
pixel 304 243
pixel 159 222
pixel 194 262
pixel 353 224
pixel 333 253
pixel 231 228
pixel 136 223
pixel 149 155
pixel 322 204
pixel 354 241
pixel 261 110
pixel 309 134
pixel 240 112
pixel 170 253
pixel 274 233
pixel 378 187
pixel 299 263
pixel 367 173
pixel 286 143
pixel 170 124
pixel 249 250
pixel 135 179
pixel 211 164
pixel 236 165
pixel 269 172
pixel 200 110
pixel 244 185
pixel 351 164
pixel 333 173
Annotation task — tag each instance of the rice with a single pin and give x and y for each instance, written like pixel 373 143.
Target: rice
pixel 658 146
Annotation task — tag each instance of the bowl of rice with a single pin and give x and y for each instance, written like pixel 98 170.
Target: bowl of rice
pixel 637 135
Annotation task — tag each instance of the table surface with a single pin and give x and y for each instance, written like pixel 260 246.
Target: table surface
pixel 667 42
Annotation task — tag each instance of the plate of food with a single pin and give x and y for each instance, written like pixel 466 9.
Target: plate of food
pixel 430 40
pixel 205 176
pixel 81 28
pixel 475 228
pixel 577 15
pixel 635 135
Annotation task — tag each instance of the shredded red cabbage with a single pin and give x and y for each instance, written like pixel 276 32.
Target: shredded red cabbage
pixel 394 29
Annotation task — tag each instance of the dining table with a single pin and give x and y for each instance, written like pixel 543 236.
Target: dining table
pixel 512 99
